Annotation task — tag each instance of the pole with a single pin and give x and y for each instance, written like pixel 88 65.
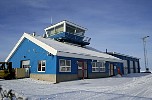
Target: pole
pixel 145 52
pixel 145 58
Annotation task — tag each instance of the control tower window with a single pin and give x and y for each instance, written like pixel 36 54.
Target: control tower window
pixel 74 30
pixel 55 30
pixel 59 29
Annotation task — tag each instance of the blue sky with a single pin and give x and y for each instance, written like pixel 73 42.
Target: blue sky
pixel 115 25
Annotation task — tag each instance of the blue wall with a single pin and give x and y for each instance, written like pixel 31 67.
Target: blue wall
pixel 74 68
pixel 128 61
pixel 117 65
pixel 30 51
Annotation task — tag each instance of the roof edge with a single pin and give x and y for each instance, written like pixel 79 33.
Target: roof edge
pixel 65 21
pixel 122 55
pixel 34 40
pixel 75 55
pixel 14 49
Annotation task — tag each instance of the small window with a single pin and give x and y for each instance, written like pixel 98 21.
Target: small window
pixel 98 67
pixel 62 62
pixel 65 65
pixel 41 65
pixel 79 65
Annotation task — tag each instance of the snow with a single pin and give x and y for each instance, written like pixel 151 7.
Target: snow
pixel 135 86
pixel 64 47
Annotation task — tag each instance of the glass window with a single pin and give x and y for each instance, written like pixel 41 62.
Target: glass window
pixel 79 65
pixel 41 65
pixel 68 62
pixel 65 65
pixel 59 28
pixel 62 62
pixel 98 67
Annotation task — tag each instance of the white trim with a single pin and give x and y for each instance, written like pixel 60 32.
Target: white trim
pixel 54 25
pixel 41 61
pixel 74 55
pixel 64 27
pixel 65 65
pixel 70 23
pixel 63 22
pixel 34 40
pixel 41 44
pixel 98 67
pixel 14 49
pixel 60 53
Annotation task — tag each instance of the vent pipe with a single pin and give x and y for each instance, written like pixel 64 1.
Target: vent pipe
pixel 44 35
pixel 34 33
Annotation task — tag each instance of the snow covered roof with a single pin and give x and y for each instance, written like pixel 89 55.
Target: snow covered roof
pixel 62 49
pixel 64 22
pixel 122 55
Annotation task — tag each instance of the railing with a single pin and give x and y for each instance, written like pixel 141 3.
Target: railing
pixel 86 39
pixel 73 36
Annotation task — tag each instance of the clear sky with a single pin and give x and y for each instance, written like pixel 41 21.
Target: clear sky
pixel 115 25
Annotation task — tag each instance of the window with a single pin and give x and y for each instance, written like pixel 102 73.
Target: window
pixel 98 67
pixel 25 64
pixel 80 65
pixel 65 65
pixel 74 30
pixel 41 65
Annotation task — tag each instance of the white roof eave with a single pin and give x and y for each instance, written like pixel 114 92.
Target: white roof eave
pixel 34 40
pixel 62 22
pixel 75 55
pixel 70 51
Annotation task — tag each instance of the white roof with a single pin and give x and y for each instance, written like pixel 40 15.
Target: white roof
pixel 62 49
pixel 123 55
pixel 65 21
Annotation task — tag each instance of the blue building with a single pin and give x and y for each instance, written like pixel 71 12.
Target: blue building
pixel 62 54
pixel 131 64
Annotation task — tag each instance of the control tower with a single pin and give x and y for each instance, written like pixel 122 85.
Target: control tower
pixel 66 31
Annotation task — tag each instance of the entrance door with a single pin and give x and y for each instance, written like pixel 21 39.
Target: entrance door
pixel 26 65
pixel 111 70
pixel 136 67
pixel 131 67
pixel 82 69
pixel 125 67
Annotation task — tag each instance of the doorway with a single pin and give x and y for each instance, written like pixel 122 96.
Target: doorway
pixel 111 70
pixel 26 65
pixel 82 69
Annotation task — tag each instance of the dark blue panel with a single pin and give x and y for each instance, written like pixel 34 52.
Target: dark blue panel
pixel 128 60
pixel 107 66
pixel 117 65
pixel 74 65
pixel 72 38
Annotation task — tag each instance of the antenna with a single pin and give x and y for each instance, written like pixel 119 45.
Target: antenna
pixel 51 21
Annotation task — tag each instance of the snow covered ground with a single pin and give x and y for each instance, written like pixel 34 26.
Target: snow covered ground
pixel 133 87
